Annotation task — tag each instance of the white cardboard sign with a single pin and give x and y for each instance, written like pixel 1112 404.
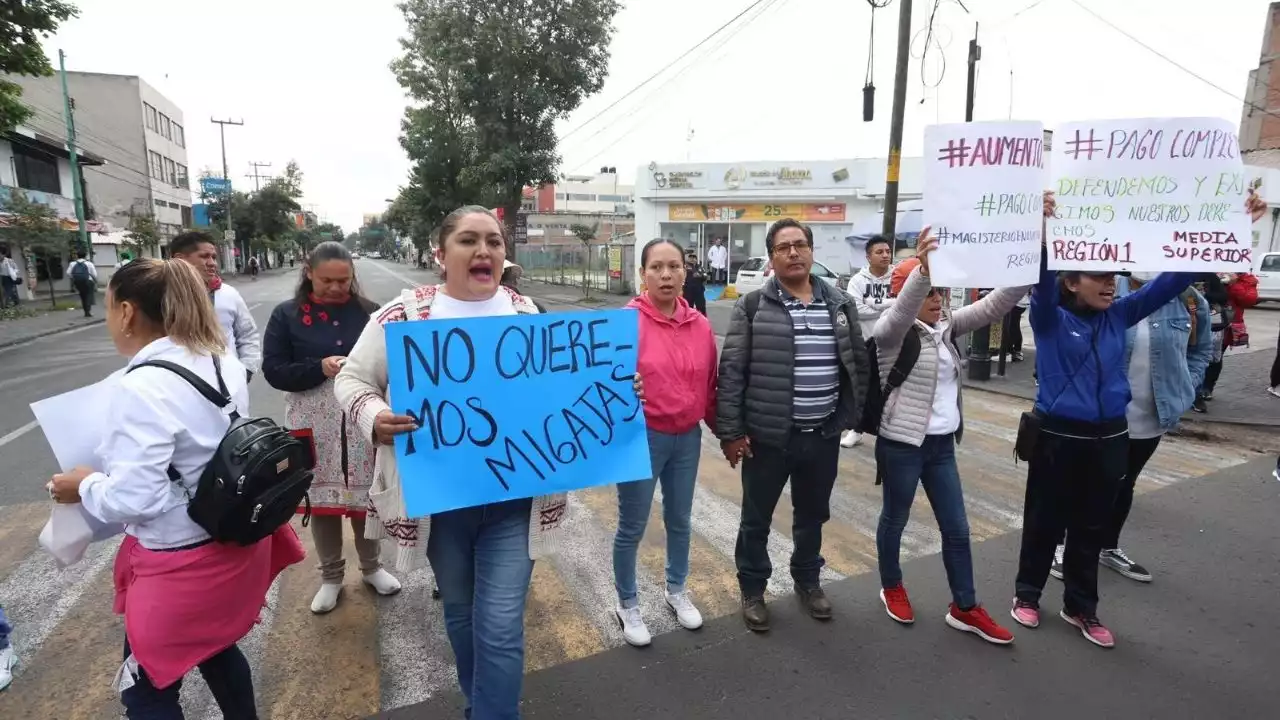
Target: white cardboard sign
pixel 1155 195
pixel 984 189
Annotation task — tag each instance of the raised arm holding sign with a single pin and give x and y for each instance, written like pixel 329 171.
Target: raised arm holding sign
pixel 1150 194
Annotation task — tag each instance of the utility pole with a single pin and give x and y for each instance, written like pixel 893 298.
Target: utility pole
pixel 67 110
pixel 226 175
pixel 895 127
pixel 980 341
pixel 256 176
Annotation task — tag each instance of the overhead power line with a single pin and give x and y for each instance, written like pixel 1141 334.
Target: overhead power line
pixel 1170 60
pixel 666 67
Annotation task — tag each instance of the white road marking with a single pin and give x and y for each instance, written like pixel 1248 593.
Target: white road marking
pixel 18 433
pixel 197 701
pixel 37 595
pixel 415 658
pixel 402 278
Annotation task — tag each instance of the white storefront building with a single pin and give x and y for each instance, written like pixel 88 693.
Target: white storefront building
pixel 695 203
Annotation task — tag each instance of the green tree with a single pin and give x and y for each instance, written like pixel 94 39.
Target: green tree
pixel 270 211
pixel 586 234
pixel 34 225
pixel 143 233
pixel 490 78
pixel 22 25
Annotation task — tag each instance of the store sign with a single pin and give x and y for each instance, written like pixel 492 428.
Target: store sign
pixel 830 212
pixel 831 174
pixel 615 262
pixel 521 234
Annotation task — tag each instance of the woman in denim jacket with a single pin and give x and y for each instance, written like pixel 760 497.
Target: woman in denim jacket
pixel 1166 354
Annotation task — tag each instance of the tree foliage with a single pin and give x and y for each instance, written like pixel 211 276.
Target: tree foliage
pixel 489 78
pixel 143 234
pixel 34 225
pixel 22 25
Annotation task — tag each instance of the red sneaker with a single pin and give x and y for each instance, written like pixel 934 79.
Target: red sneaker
pixel 897 604
pixel 978 622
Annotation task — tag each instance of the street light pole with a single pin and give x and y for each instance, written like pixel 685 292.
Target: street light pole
pixel 77 190
pixel 895 127
pixel 980 341
pixel 226 175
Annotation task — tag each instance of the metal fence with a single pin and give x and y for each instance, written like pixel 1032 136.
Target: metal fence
pixel 566 264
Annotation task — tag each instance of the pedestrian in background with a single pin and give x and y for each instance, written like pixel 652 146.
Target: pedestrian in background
pixel 198 250
pixel 482 556
pixel 1167 354
pixel 922 422
pixel 186 600
pixel 870 290
pixel 84 280
pixel 793 377
pixel 677 360
pixel 307 341
pixel 10 281
pixel 695 283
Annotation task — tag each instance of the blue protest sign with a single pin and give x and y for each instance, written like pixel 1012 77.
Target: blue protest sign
pixel 515 406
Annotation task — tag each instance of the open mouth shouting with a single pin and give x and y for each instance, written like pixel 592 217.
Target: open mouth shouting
pixel 482 272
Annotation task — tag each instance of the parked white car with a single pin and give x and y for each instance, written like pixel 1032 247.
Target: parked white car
pixel 1269 277
pixel 754 272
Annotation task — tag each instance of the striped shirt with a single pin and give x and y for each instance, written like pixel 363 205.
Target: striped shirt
pixel 817 364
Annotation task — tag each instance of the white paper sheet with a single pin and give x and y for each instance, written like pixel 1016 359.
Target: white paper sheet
pixel 74 423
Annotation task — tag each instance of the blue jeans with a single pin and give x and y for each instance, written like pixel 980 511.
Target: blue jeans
pixel 480 557
pixel 4 629
pixel 933 464
pixel 675 463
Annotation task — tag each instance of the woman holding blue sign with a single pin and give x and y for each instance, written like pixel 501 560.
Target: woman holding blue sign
pixel 482 556
pixel 677 358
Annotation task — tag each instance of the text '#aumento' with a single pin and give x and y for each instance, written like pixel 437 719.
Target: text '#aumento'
pixel 986 151
pixel 565 429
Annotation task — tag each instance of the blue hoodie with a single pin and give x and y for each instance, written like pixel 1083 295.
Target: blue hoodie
pixel 1081 356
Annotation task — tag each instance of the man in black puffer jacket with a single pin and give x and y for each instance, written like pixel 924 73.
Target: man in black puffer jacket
pixel 793 376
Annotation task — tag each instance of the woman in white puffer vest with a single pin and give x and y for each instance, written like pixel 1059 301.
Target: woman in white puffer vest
pixel 919 429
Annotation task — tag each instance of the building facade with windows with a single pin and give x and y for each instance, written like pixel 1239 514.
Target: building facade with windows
pixel 601 194
pixel 138 133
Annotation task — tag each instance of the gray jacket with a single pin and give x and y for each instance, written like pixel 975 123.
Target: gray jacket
pixel 757 368
pixel 907 409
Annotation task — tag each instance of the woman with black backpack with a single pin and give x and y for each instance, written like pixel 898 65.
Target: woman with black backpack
pixel 186 599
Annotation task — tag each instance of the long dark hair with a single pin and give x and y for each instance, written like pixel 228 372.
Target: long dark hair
pixel 322 253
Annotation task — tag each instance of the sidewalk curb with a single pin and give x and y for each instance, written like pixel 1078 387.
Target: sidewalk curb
pixel 50 333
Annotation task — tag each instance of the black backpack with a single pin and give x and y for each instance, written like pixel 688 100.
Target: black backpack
pixel 257 477
pixel 877 393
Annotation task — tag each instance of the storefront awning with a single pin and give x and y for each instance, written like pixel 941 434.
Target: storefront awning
pixel 41 142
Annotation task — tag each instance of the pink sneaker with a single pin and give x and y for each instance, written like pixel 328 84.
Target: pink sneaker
pixel 1092 630
pixel 1025 613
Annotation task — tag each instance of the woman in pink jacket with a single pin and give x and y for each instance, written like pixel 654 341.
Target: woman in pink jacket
pixel 678 363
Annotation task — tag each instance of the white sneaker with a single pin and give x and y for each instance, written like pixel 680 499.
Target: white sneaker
pixel 633 627
pixel 7 662
pixel 326 598
pixel 383 582
pixel 1274 391
pixel 686 614
pixel 850 438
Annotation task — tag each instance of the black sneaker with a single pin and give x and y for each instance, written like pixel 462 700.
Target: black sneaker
pixel 1199 405
pixel 1056 568
pixel 1017 357
pixel 1208 395
pixel 1118 561
pixel 755 613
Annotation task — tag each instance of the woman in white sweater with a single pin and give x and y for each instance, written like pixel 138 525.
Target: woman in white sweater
pixel 491 546
pixel 921 424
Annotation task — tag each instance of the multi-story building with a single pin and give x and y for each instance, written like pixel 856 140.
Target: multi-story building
pixel 139 134
pixel 600 194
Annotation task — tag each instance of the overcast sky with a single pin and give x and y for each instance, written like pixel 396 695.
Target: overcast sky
pixel 310 79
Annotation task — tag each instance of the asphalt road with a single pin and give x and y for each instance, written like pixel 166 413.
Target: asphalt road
pixel 375 654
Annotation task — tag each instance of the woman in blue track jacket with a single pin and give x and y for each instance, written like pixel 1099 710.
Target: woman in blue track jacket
pixel 1081 450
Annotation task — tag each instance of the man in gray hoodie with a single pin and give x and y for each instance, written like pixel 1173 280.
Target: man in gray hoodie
pixel 869 289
